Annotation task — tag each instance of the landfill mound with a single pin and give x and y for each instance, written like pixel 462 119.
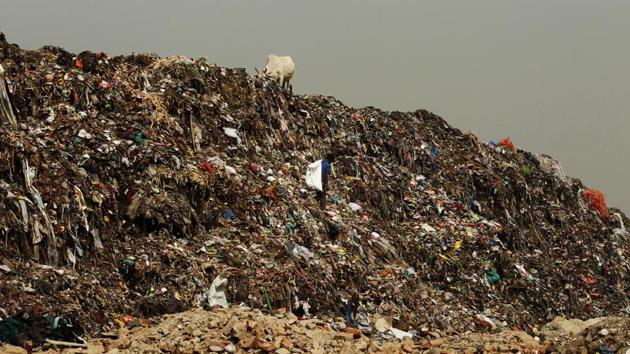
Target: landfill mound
pixel 129 184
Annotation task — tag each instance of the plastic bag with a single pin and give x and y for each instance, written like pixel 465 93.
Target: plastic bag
pixel 597 201
pixel 507 143
pixel 314 175
pixel 216 293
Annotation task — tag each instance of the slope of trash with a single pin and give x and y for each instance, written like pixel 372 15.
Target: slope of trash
pixel 129 184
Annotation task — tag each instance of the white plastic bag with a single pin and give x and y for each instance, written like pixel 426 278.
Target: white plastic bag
pixel 216 293
pixel 400 334
pixel 314 175
pixel 232 133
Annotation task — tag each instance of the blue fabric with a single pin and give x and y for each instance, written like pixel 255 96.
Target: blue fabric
pixel 326 168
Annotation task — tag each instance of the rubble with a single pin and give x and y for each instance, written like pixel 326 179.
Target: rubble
pixel 242 330
pixel 600 335
pixel 129 183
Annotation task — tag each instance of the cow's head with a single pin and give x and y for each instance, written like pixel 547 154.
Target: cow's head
pixel 261 73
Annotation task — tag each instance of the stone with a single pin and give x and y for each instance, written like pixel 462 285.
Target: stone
pixel 282 351
pixel 407 345
pixel 382 325
pixel 286 343
pixel 361 345
pixel 343 336
pixel 239 329
pixel 247 341
pixel 355 332
pixel 11 349
pixel 266 346
pixel 229 325
pixel 340 326
pixel 230 348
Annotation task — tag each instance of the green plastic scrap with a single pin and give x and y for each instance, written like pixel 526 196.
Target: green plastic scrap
pixel 138 138
pixel 492 276
pixel 155 188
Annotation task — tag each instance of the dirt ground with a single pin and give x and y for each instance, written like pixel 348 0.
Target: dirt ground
pixel 243 330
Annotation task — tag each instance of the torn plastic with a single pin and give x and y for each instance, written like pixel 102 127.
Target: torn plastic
pixel 6 110
pixel 400 334
pixel 232 133
pixel 216 293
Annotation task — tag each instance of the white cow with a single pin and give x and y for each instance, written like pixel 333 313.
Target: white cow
pixel 280 69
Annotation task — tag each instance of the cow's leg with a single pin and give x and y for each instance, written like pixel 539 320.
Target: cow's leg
pixel 289 86
pixel 281 81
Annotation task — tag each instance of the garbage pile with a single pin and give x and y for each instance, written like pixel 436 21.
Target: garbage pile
pixel 129 184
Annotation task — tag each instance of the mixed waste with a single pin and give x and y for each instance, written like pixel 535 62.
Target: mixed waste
pixel 139 186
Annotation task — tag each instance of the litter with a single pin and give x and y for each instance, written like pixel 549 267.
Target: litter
pixel 216 293
pixel 400 334
pixel 232 133
pixel 314 175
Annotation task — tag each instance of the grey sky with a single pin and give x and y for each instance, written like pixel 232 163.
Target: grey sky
pixel 554 75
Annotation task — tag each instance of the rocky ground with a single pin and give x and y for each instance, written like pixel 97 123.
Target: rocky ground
pixel 243 330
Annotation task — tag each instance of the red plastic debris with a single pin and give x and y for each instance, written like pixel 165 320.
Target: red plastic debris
pixel 130 195
pixel 78 63
pixel 588 279
pixel 206 166
pixel 356 116
pixel 507 143
pixel 596 201
pixel 253 167
pixel 127 318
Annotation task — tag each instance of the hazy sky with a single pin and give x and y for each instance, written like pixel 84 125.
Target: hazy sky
pixel 554 75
